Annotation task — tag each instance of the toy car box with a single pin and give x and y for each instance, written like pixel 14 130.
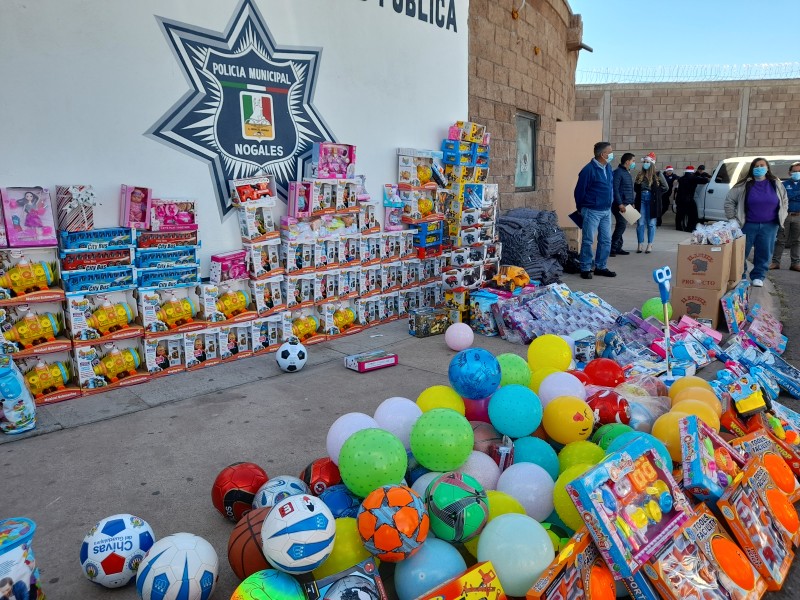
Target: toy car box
pixel 710 464
pixel 614 498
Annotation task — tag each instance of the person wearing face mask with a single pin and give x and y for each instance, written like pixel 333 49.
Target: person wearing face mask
pixel 649 188
pixel 623 196
pixel 760 204
pixel 594 194
pixel 789 234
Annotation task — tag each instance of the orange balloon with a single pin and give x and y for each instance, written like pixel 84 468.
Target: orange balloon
pixel 699 409
pixel 687 382
pixel 781 474
pixel 783 510
pixel 732 560
pixel 601 583
pixel 700 394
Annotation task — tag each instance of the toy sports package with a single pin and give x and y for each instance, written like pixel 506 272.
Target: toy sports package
pixel 762 444
pixel 631 505
pixel 755 526
pixel 710 464
pixel 479 582
pixel 359 581
pixel 578 571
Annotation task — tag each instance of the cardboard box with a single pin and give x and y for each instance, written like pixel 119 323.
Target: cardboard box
pixel 574 238
pixel 701 305
pixel 737 261
pixel 370 361
pixel 479 582
pixel 703 266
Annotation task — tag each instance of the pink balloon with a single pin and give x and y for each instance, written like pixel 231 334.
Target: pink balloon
pixel 459 337
pixel 477 410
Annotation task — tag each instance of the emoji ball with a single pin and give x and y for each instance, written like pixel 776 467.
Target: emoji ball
pixel 609 407
pixel 568 419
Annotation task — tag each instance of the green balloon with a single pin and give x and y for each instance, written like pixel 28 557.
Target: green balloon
pixel 372 458
pixel 608 433
pixel 441 439
pixel 654 308
pixel 514 370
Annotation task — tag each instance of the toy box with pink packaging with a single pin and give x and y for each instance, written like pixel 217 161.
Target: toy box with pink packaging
pixel 28 216
pixel 228 266
pixel 330 160
pixel 173 214
pixel 134 206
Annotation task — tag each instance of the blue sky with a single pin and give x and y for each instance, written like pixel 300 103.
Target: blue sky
pixel 680 32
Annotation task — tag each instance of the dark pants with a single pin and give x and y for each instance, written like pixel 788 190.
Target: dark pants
pixel 685 215
pixel 619 231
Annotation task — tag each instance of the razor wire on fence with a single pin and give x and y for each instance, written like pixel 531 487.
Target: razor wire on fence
pixel 687 73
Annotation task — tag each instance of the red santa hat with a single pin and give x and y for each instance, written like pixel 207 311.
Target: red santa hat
pixel 669 168
pixel 689 169
pixel 651 158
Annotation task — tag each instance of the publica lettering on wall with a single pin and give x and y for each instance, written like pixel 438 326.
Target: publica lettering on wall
pixel 441 13
pixel 250 109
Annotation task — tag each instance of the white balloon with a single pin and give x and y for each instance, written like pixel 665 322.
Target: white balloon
pixel 532 486
pixel 423 481
pixel 483 468
pixel 560 384
pixel 570 342
pixel 397 415
pixel 343 428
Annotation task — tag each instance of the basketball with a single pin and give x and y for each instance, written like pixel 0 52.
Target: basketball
pixel 235 487
pixel 244 545
pixel 393 522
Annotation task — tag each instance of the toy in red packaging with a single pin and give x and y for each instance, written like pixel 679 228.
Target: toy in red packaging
pixel 28 215
pixel 479 582
pixel 359 581
pixel 134 206
pixel 756 528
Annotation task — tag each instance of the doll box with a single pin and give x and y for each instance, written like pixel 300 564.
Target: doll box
pixel 330 160
pixel 173 214
pixel 110 316
pixel 28 216
pixel 257 223
pixel 614 498
pixel 265 333
pixel 234 342
pixel 164 355
pixel 201 348
pixel 75 207
pixel 479 582
pixel 134 206
pixel 263 259
pixel 268 296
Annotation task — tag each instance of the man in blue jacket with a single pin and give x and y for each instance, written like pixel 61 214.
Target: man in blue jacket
pixel 623 197
pixel 594 194
pixel 789 234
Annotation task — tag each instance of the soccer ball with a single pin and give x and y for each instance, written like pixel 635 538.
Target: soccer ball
pixel 113 548
pixel 181 565
pixel 320 475
pixel 298 534
pixel 269 584
pixel 291 356
pixel 278 488
pixel 458 507
pixel 341 501
pixel 393 522
pixel 235 487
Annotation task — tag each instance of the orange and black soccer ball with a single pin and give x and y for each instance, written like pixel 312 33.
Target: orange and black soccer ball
pixel 393 522
pixel 235 487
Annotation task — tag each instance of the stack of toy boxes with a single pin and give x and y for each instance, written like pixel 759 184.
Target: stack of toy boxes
pixel 31 299
pixel 420 176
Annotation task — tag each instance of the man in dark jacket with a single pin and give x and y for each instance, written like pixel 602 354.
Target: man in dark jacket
pixel 594 194
pixel 685 206
pixel 623 196
pixel 669 175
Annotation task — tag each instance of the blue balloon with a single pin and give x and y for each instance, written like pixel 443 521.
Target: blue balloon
pixel 515 410
pixel 433 564
pixel 538 452
pixel 628 437
pixel 474 373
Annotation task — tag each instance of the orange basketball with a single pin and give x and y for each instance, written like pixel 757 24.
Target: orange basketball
pixel 601 583
pixel 781 474
pixel 732 560
pixel 244 545
pixel 783 510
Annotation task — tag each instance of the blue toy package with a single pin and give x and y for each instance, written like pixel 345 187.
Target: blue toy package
pixel 481 316
pixel 631 505
pixel 115 238
pixel 787 376
pixel 17 408
pixel 108 280
pixel 166 278
pixel 359 581
pixel 710 464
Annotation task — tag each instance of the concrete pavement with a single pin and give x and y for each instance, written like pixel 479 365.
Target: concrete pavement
pixel 154 450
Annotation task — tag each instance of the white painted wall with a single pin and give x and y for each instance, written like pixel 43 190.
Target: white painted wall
pixel 83 80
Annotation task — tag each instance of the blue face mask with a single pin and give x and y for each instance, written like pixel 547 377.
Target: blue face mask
pixel 759 171
pixel 795 176
pixel 646 166
pixel 633 166
pixel 610 157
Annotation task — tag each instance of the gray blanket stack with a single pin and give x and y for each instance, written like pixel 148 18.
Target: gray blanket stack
pixel 533 240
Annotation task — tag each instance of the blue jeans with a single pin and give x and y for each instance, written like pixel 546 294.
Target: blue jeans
pixel 761 238
pixel 595 222
pixel 648 219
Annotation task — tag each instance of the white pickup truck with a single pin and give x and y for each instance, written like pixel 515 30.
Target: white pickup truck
pixel 710 198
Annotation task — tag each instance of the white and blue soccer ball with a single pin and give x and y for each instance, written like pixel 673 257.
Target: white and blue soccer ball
pixel 297 535
pixel 113 548
pixel 180 566
pixel 278 488
pixel 291 356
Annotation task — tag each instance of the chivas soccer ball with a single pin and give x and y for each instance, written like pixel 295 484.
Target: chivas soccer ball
pixel 181 565
pixel 278 488
pixel 291 356
pixel 112 550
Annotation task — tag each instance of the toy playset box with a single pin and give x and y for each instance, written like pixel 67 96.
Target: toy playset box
pixel 755 525
pixel 479 582
pixel 103 317
pixel 50 377
pixel 29 275
pixel 330 160
pixel 28 216
pixel 110 364
pixel 631 505
pixel 173 214
pixel 762 445
pixel 30 329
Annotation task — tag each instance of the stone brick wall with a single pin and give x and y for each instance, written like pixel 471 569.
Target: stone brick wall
pixel 526 64
pixel 694 123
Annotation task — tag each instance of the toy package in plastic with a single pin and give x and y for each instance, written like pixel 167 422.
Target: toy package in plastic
pixel 716 233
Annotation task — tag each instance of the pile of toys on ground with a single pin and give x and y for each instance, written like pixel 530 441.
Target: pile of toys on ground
pixel 84 310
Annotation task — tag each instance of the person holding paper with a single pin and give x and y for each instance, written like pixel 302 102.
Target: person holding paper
pixel 623 198
pixel 649 188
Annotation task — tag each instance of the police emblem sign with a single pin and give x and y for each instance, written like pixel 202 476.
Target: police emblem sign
pixel 250 109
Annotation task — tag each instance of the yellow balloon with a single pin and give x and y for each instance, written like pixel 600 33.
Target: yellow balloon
pixel 666 429
pixel 537 377
pixel 567 419
pixel 500 503
pixel 701 410
pixel 702 395
pixel 549 351
pixel 687 382
pixel 440 396
pixel 565 508
pixel 348 549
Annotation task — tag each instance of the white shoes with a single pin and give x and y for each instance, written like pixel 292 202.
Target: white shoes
pixel 758 283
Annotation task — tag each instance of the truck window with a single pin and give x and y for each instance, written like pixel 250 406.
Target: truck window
pixel 726 169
